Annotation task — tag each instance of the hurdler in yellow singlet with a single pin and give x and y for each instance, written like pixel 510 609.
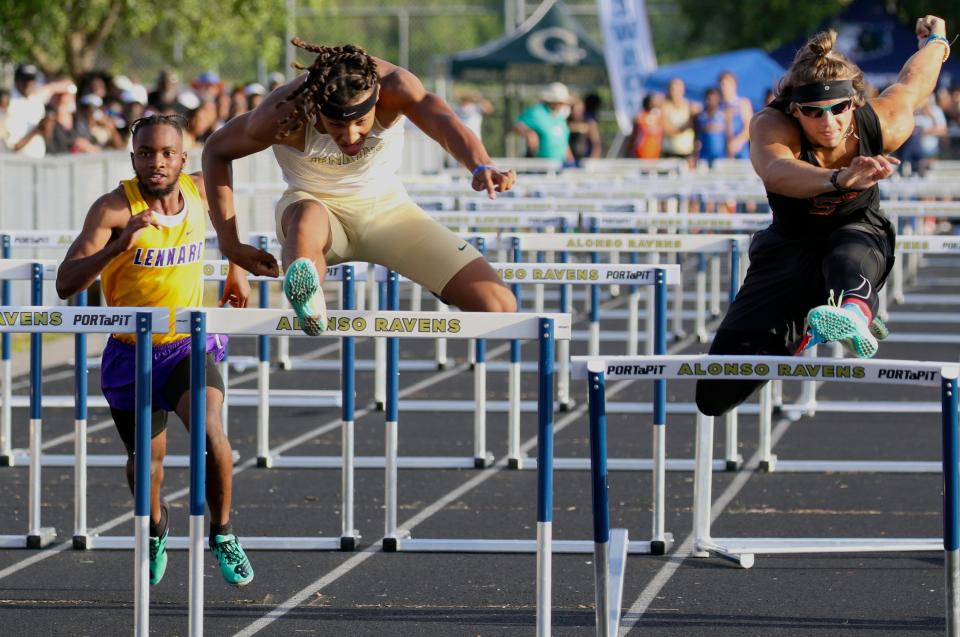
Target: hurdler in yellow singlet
pixel 164 267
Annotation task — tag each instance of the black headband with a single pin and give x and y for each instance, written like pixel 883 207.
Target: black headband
pixel 820 91
pixel 347 113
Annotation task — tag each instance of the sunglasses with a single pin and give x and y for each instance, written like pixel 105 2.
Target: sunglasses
pixel 809 110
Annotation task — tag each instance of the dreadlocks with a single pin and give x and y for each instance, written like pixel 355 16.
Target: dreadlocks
pixel 337 76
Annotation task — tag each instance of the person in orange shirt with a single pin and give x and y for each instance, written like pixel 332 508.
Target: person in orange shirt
pixel 647 136
pixel 145 241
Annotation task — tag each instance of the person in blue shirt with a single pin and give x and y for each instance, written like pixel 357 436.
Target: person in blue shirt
pixel 544 125
pixel 711 125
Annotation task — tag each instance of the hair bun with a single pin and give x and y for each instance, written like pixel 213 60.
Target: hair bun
pixel 822 43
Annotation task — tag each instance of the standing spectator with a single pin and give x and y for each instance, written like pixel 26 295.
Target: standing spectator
pixel 254 92
pixel 238 101
pixel 544 125
pixel 164 97
pixel 923 146
pixel 711 129
pixel 201 123
pixel 584 131
pixel 646 139
pixel 4 107
pixel 276 80
pixel 26 111
pixel 58 128
pixel 94 125
pixel 739 112
pixel 679 115
pixel 470 108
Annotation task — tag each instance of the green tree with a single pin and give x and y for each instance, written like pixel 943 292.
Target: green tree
pixel 73 36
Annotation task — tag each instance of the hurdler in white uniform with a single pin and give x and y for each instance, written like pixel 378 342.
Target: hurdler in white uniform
pixel 372 218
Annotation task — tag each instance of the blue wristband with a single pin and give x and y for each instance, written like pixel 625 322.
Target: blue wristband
pixel 482 167
pixel 936 36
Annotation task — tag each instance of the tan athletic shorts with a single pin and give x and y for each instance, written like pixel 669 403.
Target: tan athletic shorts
pixel 390 230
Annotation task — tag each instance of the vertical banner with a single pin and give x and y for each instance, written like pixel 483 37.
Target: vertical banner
pixel 628 48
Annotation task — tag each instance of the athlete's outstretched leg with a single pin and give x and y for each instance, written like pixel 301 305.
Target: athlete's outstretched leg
pixel 305 228
pixel 477 288
pixel 717 397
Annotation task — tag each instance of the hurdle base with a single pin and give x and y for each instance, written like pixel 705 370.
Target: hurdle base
pixel 484 462
pixel 375 462
pixel 468 545
pixel 21 458
pixel 391 544
pixel 264 462
pixel 45 537
pixel 518 463
pixel 768 466
pixel 858 466
pixel 80 542
pixel 378 405
pixel 349 542
pixel 567 406
pixel 741 551
pixel 734 464
pixel 622 464
pixel 261 543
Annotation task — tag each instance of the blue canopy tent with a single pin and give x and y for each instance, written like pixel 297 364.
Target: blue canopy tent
pixel 754 69
pixel 873 38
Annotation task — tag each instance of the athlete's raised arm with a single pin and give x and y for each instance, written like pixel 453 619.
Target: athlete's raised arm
pixel 403 91
pixel 917 80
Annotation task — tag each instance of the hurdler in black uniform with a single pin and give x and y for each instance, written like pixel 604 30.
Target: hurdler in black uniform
pixel 837 243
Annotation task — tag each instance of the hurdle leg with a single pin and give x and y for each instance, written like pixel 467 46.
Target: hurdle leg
pixel 141 483
pixel 481 457
pixel 198 470
pixel 391 535
pixel 702 484
pixel 545 429
pixel 263 404
pixel 951 501
pixel 714 286
pixel 283 344
pixel 348 350
pixel 808 390
pixel 633 321
pixel 614 260
pixel 37 536
pixel 441 343
pixel 378 301
pixel 768 461
pixel 701 306
pixel 563 375
pixel 514 459
pixel 731 454
pixel 677 329
pixel 6 448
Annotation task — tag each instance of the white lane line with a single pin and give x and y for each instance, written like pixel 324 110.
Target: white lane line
pixel 435 507
pixel 650 592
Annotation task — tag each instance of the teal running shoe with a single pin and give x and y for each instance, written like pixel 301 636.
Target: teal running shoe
pixel 301 284
pixel 879 329
pixel 234 565
pixel 832 323
pixel 158 558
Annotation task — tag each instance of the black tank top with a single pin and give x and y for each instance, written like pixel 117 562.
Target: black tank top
pixel 821 215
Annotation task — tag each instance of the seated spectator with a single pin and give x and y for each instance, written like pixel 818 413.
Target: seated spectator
pixel 646 139
pixel 544 125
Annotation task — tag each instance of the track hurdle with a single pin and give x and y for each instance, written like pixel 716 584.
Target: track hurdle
pixel 610 545
pixel 424 325
pixel 40 319
pixel 741 551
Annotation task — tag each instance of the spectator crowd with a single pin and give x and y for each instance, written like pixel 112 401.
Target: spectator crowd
pixel 53 116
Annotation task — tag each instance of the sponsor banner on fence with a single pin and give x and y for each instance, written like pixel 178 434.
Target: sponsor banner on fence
pixel 55 318
pixel 430 325
pixel 928 244
pixel 895 372
pixel 922 208
pixel 505 219
pixel 608 220
pixel 607 242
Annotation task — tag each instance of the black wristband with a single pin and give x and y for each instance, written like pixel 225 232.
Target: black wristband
pixel 834 177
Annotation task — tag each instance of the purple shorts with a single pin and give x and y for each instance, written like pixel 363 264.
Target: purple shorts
pixel 118 370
